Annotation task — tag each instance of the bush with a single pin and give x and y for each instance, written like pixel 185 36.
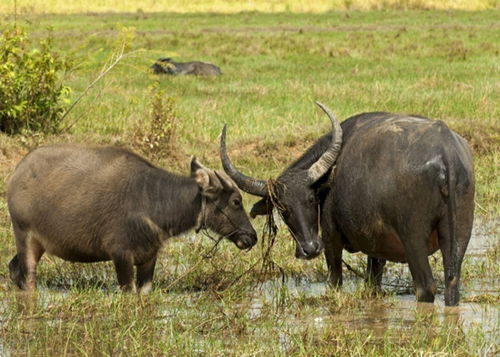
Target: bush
pixel 32 97
pixel 157 138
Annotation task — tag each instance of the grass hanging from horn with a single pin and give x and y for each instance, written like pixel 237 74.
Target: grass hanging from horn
pixel 270 231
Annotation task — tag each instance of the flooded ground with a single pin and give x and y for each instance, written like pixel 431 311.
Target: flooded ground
pixel 290 314
pixel 383 314
pixel 397 309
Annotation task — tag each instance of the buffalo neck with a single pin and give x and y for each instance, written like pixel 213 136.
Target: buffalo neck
pixel 171 201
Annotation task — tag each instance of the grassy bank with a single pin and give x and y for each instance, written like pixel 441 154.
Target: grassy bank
pixel 443 65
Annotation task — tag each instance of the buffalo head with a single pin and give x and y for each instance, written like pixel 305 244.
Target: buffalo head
pixel 223 209
pixel 293 193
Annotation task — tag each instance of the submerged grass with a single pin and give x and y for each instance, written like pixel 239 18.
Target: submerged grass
pixel 443 65
pixel 216 324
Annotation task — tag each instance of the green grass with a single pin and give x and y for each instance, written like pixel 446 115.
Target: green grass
pixel 235 6
pixel 443 65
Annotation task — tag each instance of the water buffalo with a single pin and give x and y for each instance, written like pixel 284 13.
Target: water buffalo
pixel 89 204
pixel 402 188
pixel 167 66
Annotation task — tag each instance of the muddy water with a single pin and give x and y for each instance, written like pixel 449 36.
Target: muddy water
pixel 399 316
pixel 386 312
pixel 399 310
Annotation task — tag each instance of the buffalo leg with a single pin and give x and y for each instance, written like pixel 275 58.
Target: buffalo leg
pixel 17 266
pixel 452 261
pixel 415 242
pixel 23 266
pixel 33 255
pixel 124 267
pixel 17 271
pixel 145 275
pixel 374 272
pixel 333 252
pixel 450 281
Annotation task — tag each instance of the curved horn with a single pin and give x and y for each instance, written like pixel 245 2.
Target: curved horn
pixel 247 184
pixel 326 161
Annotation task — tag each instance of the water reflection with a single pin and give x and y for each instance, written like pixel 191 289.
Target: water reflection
pixel 382 314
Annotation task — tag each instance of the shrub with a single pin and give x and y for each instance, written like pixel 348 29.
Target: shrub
pixel 32 97
pixel 157 138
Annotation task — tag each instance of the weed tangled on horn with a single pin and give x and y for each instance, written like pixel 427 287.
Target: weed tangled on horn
pixel 270 231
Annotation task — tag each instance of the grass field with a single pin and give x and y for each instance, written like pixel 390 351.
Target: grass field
pixel 236 6
pixel 441 64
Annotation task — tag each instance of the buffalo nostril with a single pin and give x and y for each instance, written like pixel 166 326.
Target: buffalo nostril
pixel 241 244
pixel 310 248
pixel 246 240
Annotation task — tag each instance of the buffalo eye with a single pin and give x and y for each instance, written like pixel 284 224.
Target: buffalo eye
pixel 311 200
pixel 236 203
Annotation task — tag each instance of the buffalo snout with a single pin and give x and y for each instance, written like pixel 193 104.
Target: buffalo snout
pixel 308 250
pixel 246 240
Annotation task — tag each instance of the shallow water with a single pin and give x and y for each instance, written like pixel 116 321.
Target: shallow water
pixel 383 314
pixel 396 311
pixel 399 309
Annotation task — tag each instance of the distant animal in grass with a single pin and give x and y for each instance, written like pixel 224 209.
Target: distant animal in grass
pixel 167 66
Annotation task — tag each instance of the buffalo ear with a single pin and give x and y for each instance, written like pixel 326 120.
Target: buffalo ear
pixel 261 208
pixel 205 178
pixel 225 181
pixel 324 185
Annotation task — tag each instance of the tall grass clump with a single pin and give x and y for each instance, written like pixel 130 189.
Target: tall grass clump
pixel 156 138
pixel 32 95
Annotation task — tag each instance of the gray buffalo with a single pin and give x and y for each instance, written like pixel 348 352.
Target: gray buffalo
pixel 402 188
pixel 89 204
pixel 167 66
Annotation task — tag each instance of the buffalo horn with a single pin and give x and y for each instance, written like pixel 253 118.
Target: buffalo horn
pixel 326 161
pixel 245 183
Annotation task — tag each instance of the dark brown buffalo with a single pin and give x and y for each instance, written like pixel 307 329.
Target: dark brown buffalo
pixel 402 188
pixel 89 204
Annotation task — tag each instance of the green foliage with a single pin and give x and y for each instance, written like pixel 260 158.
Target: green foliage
pixel 32 97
